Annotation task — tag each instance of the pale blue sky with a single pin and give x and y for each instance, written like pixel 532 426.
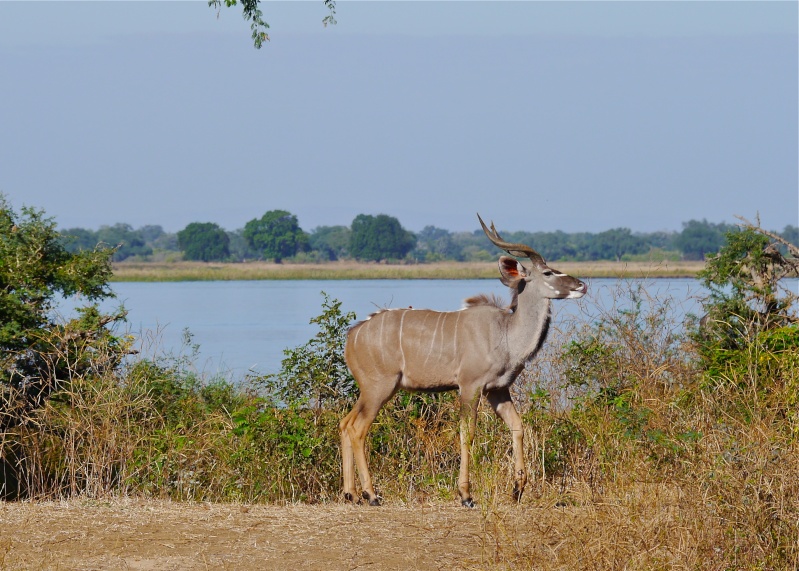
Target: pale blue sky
pixel 540 115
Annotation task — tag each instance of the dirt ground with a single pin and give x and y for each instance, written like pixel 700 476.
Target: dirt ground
pixel 150 535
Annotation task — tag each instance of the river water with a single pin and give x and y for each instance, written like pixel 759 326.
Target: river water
pixel 243 326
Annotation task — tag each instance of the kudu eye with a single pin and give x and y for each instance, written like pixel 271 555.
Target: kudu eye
pixel 548 273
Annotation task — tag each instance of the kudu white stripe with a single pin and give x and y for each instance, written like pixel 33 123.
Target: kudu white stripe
pixel 479 350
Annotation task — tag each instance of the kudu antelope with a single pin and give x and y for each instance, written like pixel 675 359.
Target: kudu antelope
pixel 479 350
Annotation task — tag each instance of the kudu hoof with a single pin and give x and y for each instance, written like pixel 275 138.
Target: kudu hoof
pixel 373 501
pixel 348 497
pixel 517 494
pixel 467 503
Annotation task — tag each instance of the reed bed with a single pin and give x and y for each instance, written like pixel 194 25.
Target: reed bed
pixel 199 271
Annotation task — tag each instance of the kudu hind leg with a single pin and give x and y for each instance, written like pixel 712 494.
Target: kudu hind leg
pixel 354 428
pixel 502 404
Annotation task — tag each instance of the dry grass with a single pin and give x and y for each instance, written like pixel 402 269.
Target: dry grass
pixel 195 271
pixel 157 535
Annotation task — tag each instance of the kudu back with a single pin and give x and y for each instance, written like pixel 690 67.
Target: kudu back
pixel 478 350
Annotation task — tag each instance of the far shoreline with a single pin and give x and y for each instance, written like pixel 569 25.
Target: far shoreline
pixel 349 270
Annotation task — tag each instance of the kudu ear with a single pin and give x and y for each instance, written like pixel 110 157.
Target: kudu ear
pixel 511 271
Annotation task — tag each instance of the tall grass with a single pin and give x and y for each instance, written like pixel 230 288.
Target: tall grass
pixel 638 459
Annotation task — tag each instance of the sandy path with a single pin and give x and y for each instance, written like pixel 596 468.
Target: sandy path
pixel 145 535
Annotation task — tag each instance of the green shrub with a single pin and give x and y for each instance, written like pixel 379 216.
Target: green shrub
pixel 747 299
pixel 38 352
pixel 315 374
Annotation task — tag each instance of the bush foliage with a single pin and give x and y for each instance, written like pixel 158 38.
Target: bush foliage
pixel 315 375
pixel 38 353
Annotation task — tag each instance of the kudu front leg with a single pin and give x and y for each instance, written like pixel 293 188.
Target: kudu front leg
pixel 503 405
pixel 468 420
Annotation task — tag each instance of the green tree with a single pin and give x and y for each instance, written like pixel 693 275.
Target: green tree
pixel 240 249
pixel 124 240
pixel 661 240
pixel 789 234
pixel 551 245
pixel 77 239
pixel 167 242
pixel 38 353
pixel 333 242
pixel 615 243
pixel 204 241
pixel 474 246
pixel 433 244
pixel 379 237
pixel 150 233
pixel 276 235
pixel 698 239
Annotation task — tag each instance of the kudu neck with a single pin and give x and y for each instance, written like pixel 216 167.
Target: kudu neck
pixel 529 323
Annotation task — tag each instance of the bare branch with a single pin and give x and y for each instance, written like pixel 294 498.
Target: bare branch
pixel 757 228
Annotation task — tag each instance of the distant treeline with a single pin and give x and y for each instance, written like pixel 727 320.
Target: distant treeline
pixel 277 236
